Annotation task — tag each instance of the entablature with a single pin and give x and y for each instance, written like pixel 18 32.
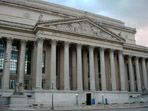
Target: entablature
pixel 135 50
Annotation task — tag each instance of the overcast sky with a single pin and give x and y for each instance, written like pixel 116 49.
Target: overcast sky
pixel 133 12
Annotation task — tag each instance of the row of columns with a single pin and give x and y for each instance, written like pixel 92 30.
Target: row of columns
pixel 131 74
pixel 93 71
pixel 79 68
pixel 21 70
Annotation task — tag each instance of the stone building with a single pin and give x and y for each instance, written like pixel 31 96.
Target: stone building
pixel 56 49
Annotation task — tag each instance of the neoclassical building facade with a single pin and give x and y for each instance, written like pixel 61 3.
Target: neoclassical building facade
pixel 55 49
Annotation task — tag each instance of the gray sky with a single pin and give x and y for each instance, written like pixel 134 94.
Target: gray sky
pixel 133 12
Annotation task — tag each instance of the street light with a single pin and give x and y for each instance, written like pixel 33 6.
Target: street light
pixel 52 107
pixel 77 99
pixel 103 99
pixel 5 60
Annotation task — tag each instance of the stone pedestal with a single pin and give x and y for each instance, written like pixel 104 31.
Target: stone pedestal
pixel 18 101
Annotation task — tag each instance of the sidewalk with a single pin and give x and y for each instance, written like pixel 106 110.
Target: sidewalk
pixel 99 107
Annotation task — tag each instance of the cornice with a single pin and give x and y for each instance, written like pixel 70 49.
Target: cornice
pixel 16 26
pixel 26 5
pixel 124 28
pixel 46 9
pixel 135 47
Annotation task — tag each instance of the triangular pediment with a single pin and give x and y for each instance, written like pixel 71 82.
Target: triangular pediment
pixel 83 26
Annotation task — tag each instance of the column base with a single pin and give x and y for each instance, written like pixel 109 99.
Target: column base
pixel 80 90
pixel 124 90
pixel 104 90
pixel 115 90
pixel 66 89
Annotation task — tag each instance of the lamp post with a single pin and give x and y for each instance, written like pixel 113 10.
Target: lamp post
pixel 77 99
pixel 5 60
pixel 103 99
pixel 52 107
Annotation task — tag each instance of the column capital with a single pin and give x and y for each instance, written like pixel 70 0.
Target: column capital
pixel 40 39
pixel 91 47
pixel 120 51
pixel 136 57
pixel 23 41
pixel 10 40
pixel 143 58
pixel 130 56
pixel 79 45
pixel 66 43
pixel 53 41
pixel 102 48
pixel 111 50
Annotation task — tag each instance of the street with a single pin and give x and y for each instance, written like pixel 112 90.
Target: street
pixel 115 109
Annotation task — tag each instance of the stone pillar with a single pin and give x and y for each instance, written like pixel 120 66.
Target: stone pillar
pixel 53 65
pixel 103 76
pixel 79 67
pixel 122 72
pixel 92 70
pixel 96 71
pixel 21 69
pixel 61 68
pixel 74 70
pixel 6 67
pixel 66 66
pixel 39 56
pixel 131 73
pixel 112 66
pixel 138 74
pixel 144 73
pixel 85 70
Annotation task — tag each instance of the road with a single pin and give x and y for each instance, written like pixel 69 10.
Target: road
pixel 125 109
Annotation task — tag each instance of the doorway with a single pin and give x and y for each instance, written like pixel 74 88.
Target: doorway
pixel 88 98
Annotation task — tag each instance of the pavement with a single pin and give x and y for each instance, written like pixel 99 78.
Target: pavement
pixel 85 108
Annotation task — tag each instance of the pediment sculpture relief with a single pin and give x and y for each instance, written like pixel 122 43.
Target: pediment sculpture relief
pixel 82 28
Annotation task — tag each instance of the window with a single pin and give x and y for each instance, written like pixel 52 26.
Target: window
pixel 43 62
pixel 12 84
pixel 1 57
pixel 26 84
pixel 28 61
pixel 43 84
pixel 14 60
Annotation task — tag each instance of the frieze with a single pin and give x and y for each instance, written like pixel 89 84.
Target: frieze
pixel 82 28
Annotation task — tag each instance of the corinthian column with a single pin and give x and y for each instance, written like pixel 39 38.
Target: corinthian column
pixel 122 72
pixel 103 76
pixel 79 67
pixel 53 65
pixel 21 69
pixel 74 70
pixel 6 68
pixel 39 63
pixel 96 71
pixel 144 73
pixel 131 73
pixel 85 69
pixel 66 66
pixel 92 70
pixel 112 65
pixel 138 74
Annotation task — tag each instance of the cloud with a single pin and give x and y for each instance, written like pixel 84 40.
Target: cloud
pixel 132 12
pixel 142 36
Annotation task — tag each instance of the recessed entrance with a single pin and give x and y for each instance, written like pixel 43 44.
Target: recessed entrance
pixel 88 98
